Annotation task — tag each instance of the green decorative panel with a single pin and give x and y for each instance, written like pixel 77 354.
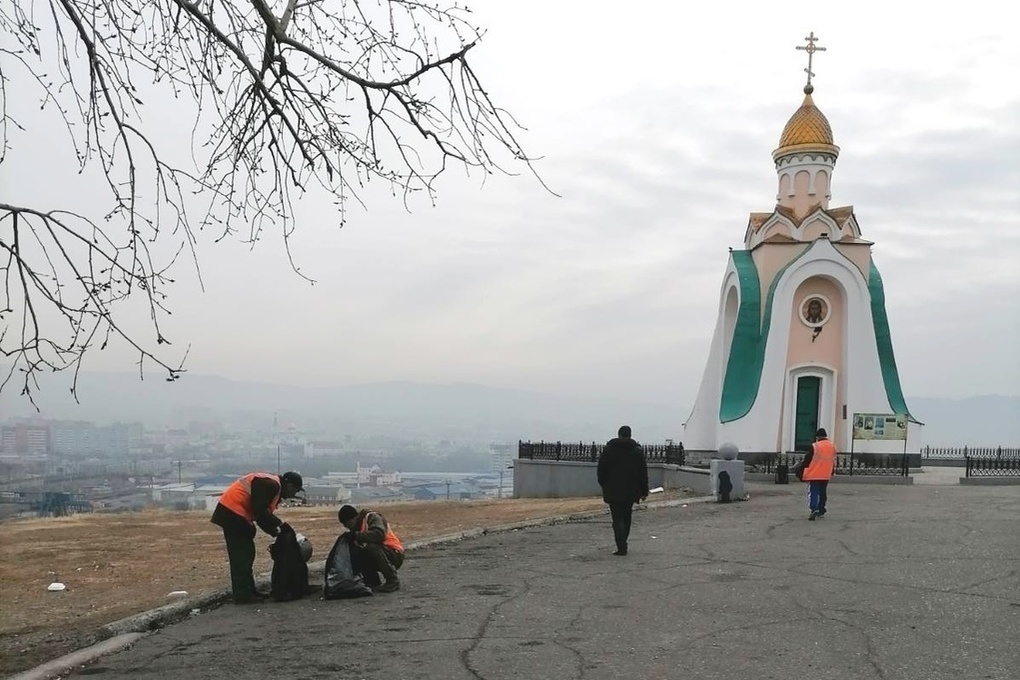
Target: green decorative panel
pixel 883 338
pixel 750 334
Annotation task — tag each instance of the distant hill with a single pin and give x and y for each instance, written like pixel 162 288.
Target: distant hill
pixel 462 412
pixel 423 411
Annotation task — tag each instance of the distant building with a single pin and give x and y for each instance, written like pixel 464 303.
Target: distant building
pixel 501 455
pixel 371 495
pixel 316 449
pixel 82 438
pixel 205 429
pixel 322 493
pixel 454 491
pixel 26 438
pixel 375 476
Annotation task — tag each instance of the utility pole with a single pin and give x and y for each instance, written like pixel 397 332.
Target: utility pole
pixel 180 464
pixel 448 489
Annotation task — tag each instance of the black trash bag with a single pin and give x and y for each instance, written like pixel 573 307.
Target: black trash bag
pixel 290 572
pixel 341 581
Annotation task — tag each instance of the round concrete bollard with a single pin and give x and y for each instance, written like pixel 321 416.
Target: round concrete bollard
pixel 728 451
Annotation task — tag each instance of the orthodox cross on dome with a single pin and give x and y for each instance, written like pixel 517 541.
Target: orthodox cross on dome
pixel 810 48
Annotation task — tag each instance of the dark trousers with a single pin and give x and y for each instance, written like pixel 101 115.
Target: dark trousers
pixel 817 491
pixel 373 559
pixel 621 514
pixel 241 554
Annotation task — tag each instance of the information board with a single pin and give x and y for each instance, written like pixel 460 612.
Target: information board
pixel 880 426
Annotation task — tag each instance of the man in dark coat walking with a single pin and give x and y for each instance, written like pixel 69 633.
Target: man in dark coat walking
pixel 623 476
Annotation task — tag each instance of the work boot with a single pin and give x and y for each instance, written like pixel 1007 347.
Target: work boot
pixel 814 515
pixel 391 585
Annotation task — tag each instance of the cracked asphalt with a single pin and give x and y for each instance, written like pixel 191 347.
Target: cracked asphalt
pixel 908 582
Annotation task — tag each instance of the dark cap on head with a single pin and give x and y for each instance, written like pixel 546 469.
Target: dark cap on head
pixel 821 433
pixel 347 513
pixel 624 431
pixel 292 478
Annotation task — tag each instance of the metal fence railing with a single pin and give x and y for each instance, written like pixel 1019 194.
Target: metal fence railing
pixel 889 465
pixel 980 461
pixel 583 452
pixel 965 451
pixel 988 466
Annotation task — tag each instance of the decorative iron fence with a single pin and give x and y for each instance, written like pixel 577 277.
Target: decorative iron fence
pixel 988 466
pixel 890 465
pixel 964 451
pixel 672 454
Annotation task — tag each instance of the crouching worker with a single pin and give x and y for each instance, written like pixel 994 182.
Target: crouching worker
pixel 375 549
pixel 251 500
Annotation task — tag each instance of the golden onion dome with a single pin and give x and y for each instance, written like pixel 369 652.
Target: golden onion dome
pixel 807 130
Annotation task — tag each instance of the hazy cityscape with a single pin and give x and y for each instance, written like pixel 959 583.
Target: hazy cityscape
pixel 56 466
pixel 150 443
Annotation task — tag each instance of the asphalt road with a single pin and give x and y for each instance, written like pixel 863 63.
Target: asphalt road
pixel 894 583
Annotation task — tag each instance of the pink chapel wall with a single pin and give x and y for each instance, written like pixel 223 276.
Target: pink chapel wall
pixel 784 186
pixel 859 254
pixel 822 179
pixel 828 348
pixel 800 201
pixel 815 229
pixel 769 258
pixel 777 228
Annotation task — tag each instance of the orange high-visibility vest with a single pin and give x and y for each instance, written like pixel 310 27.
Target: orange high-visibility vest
pixel 237 497
pixel 822 461
pixel 390 541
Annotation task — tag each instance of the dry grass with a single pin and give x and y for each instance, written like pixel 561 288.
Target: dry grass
pixel 118 565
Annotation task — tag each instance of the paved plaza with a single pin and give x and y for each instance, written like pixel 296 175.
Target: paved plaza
pixel 896 582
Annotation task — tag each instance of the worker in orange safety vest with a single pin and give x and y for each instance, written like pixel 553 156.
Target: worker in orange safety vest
pixel 251 500
pixel 375 549
pixel 818 468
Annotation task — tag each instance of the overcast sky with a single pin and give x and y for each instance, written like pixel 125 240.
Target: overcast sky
pixel 655 123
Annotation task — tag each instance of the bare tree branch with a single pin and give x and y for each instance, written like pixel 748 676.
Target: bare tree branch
pixel 287 96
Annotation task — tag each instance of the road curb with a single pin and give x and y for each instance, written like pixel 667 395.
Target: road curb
pixel 79 658
pixel 122 633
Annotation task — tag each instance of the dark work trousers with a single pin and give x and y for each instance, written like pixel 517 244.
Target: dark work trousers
pixel 621 514
pixel 241 554
pixel 817 491
pixel 373 559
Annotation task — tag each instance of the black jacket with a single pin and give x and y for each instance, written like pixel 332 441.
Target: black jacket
pixel 622 471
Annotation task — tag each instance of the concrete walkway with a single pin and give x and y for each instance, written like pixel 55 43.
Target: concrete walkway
pixel 939 476
pixel 897 582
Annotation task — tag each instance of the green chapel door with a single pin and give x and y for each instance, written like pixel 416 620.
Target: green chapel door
pixel 806 413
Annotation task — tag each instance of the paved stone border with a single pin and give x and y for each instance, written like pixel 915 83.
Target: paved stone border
pixel 990 481
pixel 123 633
pixel 896 480
pixel 82 656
